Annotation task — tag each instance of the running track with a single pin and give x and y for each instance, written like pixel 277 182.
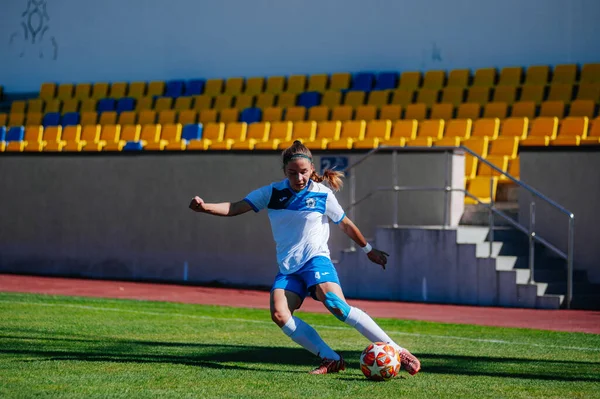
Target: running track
pixel 556 320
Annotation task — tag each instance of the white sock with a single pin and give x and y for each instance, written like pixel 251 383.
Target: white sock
pixel 365 325
pixel 306 336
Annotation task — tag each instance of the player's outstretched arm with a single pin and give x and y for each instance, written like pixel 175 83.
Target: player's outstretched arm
pixel 220 209
pixel 350 229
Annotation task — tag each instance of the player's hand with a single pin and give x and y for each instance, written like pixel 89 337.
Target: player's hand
pixel 379 257
pixel 197 204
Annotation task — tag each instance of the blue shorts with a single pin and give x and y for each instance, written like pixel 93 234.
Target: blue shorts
pixel 302 282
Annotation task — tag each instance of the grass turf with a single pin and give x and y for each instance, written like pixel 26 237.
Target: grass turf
pixel 69 347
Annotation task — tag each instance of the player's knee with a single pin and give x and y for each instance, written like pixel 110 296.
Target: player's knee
pixel 337 306
pixel 280 317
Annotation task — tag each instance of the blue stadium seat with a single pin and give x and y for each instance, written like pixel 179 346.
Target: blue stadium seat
pixel 363 81
pixel 70 119
pixel 133 146
pixel 192 131
pixel 106 104
pixel 51 119
pixel 251 115
pixel 174 88
pixel 309 99
pixel 2 133
pixel 15 133
pixel 194 87
pixel 126 104
pixel 386 80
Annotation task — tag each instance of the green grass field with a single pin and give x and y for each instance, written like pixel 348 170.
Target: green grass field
pixel 100 348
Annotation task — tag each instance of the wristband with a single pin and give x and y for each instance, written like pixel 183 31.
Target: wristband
pixel 367 248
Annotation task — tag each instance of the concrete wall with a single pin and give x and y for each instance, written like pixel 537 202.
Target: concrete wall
pixel 112 40
pixel 570 177
pixel 126 216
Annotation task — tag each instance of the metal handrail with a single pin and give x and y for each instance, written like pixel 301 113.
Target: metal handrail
pixel 530 232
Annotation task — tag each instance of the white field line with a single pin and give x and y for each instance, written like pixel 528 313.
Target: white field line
pixel 236 319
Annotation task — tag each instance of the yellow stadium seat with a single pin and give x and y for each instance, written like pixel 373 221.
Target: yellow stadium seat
pixel 163 103
pixel 590 73
pixel 342 113
pixel 71 139
pixel 495 110
pixel 137 90
pixel 593 136
pixel 410 81
pixel 504 146
pixel 582 108
pixel 514 126
pixel 589 91
pixel 254 86
pixel 223 101
pixel 156 88
pixel 234 86
pixel 523 109
pixel 296 84
pixel 83 91
pixel 127 118
pixel 479 95
pixel 118 90
pixel 340 81
pixel 379 98
pixel 537 75
pixel 128 133
pixel 326 131
pixel 574 127
pixel 213 87
pixel 208 116
pixel 88 105
pixel 566 141
pixel 170 139
pixel 543 130
pixel 553 108
pixel 510 76
pixel 33 137
pixel 89 118
pixel 377 131
pixel 448 142
pixel 391 112
pixel 100 90
pixel 167 117
pixel 48 91
pixel 304 131
pixel 420 142
pixel 53 105
pixel 150 133
pixel 484 77
pixel 34 118
pixel 265 100
pixel 275 84
pixel 65 91
pixel 184 103
pixel 331 98
pixel 51 140
pixel 402 97
pixel 244 101
pixel 565 73
pixel 561 92
pixel 434 80
pixel 70 105
pixel 18 107
pixel 203 102
pixel 108 118
pixel 458 128
pixel 499 161
pixel 433 129
pixel 351 131
pixel 234 132
pixel 366 113
pixel 256 133
pixel 16 120
pixel 442 111
pixel 286 100
pixel 506 94
pixel 35 105
pixel 295 114
pixel 317 82
pixel 471 164
pixel 458 78
pixel 428 96
pixel 187 117
pixel 272 114
pixel 354 98
pixel 416 111
pixel 3 119
pixel 486 127
pixel 280 132
pixel 479 145
pixel 453 95
pixel 96 139
pixel 229 115
pixel 144 104
pixel 513 170
pixel 403 129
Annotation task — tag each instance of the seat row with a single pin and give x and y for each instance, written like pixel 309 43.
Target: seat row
pixel 366 81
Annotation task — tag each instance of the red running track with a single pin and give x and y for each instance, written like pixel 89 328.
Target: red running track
pixel 556 320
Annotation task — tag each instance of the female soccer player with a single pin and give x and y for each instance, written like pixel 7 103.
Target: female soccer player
pixel 298 207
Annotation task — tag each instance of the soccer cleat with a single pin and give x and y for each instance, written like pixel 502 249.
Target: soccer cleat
pixel 409 362
pixel 330 366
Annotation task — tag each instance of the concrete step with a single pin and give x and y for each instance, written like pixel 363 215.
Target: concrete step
pixel 527 295
pixel 549 301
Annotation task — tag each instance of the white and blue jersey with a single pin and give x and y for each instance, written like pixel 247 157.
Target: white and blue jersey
pixel 298 220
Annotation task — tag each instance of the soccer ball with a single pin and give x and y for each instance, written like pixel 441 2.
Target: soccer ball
pixel 380 361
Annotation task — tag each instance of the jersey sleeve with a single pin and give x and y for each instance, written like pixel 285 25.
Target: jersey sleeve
pixel 259 198
pixel 333 209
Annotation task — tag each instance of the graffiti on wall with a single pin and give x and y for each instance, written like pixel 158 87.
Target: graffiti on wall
pixel 33 38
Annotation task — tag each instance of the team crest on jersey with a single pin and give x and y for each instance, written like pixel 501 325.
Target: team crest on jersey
pixel 310 202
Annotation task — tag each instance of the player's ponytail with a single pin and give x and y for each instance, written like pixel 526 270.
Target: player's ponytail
pixel 298 150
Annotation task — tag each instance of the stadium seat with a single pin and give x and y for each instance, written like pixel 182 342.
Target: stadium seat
pixel 125 104
pixel 484 77
pixel 428 96
pixel 593 136
pixel 486 127
pixel 560 92
pixel 72 118
pixel 192 131
pixel 442 111
pixel 234 86
pixel 265 100
pixel 386 81
pixel 155 89
pixel 134 146
pixel 183 103
pixel 150 133
pixel 16 120
pixel 48 91
pixel 410 81
pixel 402 97
pixel 18 107
pixel 108 104
pixel 504 146
pixel 34 118
pixel 118 90
pixel 254 86
pixel 275 85
pixel 202 102
pixel 108 118
pixel 479 145
pixel 506 94
pixel 295 114
pixel 15 138
pixel 453 95
pixel 366 113
pixel 2 133
pixel 339 81
pixel 416 111
pixel 523 109
pixel 243 101
pixel 326 131
pixel 168 116
pixel 286 100
pixel 35 105
pixel 129 133
pixel 280 132
pixel 187 117
pixel 582 108
pixel 537 75
pixel 229 115
pixel 379 98
pixel 495 110
pixel 478 95
pixel 99 90
pixel 51 119
pixel 565 73
pixel 296 84
pixel 137 90
pixel 434 80
pixel 403 129
pixel 234 132
pixel 3 120
pixel 532 93
pixel 363 81
pixel 458 78
pixel 65 91
pixel 33 138
pixel 163 103
pixel 194 87
pixel 510 76
pixel 97 138
pixel 272 114
pixel 351 132
pixel 307 99
pixel 213 87
pixel 208 116
pixel 304 131
pixel 553 108
pixel 211 133
pixel 170 139
pixel 144 104
pixel 127 118
pixel 457 128
pixel 573 126
pixel 251 115
pixel 589 91
pixel 174 88
pixel 433 129
pixel 331 99
pixel 53 105
pixel 354 98
pixel 590 73
pixel 70 140
pixel 318 82
pixel 376 132
pixel 391 112
pixel 256 133
pixel 543 130
pixel 515 127
pixel 70 105
pixel 88 105
pixel 342 113
pixel 499 161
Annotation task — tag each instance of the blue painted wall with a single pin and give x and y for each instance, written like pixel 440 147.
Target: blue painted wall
pixel 110 40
